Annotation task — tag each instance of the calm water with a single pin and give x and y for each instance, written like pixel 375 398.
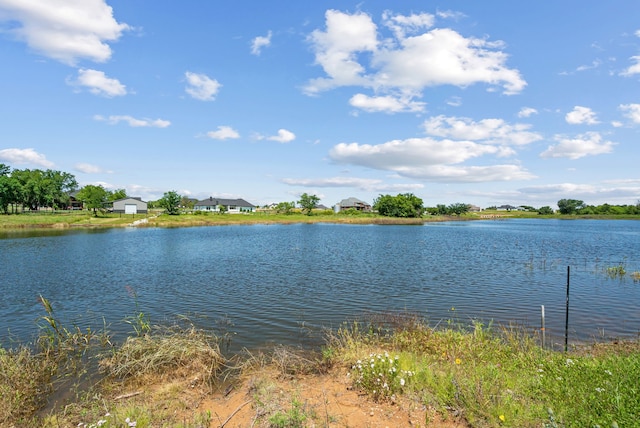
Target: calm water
pixel 273 282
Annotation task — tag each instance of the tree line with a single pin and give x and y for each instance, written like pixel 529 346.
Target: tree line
pixel 33 189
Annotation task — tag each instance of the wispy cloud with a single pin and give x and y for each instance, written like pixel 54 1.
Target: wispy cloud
pixel 133 122
pixel 260 42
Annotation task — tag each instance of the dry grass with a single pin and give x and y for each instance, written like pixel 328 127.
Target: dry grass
pixel 171 352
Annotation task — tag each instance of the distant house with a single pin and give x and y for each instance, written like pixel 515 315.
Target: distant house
pixel 474 208
pixel 352 203
pixel 74 203
pixel 507 208
pixel 233 206
pixel 130 206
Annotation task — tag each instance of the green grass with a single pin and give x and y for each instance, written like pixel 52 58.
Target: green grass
pixel 494 377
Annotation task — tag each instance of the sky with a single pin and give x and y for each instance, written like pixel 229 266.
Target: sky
pixel 486 103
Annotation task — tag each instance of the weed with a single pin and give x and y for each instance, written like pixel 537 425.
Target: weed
pixel 380 376
pixel 292 418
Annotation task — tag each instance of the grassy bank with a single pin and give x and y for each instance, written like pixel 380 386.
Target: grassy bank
pixel 179 376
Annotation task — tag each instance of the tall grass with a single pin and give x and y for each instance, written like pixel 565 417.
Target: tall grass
pixel 492 376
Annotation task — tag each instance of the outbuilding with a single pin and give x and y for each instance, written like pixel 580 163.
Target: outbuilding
pixel 130 206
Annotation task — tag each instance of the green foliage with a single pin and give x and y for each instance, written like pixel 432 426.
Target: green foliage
pixel 116 195
pixel 546 210
pixel 285 207
pixel 293 418
pixel 570 206
pixel 380 376
pixel 308 202
pixel 93 197
pixel 458 209
pixel 170 202
pixel 401 205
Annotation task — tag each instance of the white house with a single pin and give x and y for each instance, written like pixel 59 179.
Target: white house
pixel 233 206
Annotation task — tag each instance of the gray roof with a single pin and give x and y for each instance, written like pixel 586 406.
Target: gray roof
pixel 352 202
pixel 214 202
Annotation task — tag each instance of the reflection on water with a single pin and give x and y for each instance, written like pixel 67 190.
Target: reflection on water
pixel 274 282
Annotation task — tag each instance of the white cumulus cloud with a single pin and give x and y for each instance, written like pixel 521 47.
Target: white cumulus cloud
pixel 99 84
pixel 527 112
pixel 581 116
pixel 284 136
pixel 589 144
pixel 65 30
pixel 415 58
pixel 223 133
pixel 133 122
pixel 201 86
pixel 631 111
pixel 25 156
pixel 260 42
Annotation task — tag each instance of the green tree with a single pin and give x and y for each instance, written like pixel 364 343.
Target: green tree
pixel 93 197
pixel 117 195
pixel 187 202
pixel 401 205
pixel 458 208
pixel 285 207
pixel 10 193
pixel 546 210
pixel 170 202
pixel 308 202
pixel 570 206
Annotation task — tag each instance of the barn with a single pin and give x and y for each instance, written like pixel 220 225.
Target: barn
pixel 130 206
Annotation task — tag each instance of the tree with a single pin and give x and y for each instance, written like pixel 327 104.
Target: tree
pixel 170 202
pixel 308 202
pixel 458 209
pixel 570 206
pixel 117 195
pixel 402 205
pixel 285 207
pixel 10 193
pixel 93 197
pixel 546 210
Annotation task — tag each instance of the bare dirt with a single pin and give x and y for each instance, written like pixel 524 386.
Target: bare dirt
pixel 325 400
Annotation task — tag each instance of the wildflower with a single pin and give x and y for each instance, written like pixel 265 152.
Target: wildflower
pixel 458 361
pixel 600 389
pixel 401 381
pixel 501 417
pixel 570 362
pixel 608 372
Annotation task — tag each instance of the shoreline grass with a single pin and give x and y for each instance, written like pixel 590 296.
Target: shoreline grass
pixel 64 220
pixel 487 376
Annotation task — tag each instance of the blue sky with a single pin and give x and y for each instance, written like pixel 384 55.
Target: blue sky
pixel 489 103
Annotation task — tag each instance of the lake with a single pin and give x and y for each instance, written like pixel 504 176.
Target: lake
pixel 276 283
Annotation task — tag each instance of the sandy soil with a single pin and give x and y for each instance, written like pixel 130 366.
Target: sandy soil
pixel 327 401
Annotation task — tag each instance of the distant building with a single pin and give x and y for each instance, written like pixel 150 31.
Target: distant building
pixel 507 208
pixel 130 206
pixel 352 203
pixel 233 206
